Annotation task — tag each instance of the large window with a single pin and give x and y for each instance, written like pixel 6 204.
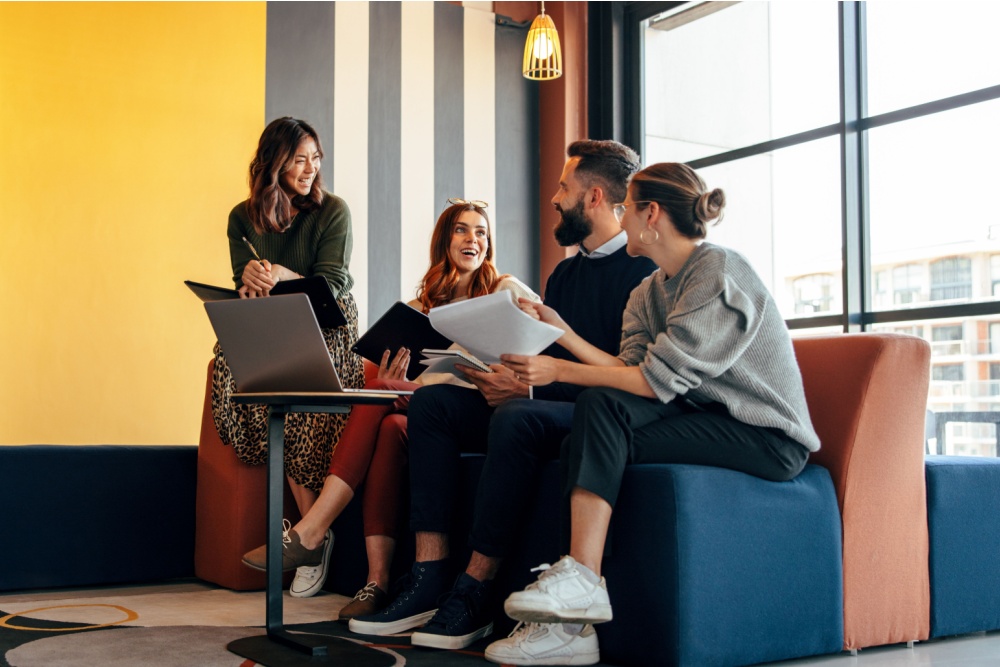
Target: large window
pixel 856 144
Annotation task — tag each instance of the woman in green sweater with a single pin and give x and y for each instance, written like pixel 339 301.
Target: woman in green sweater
pixel 297 230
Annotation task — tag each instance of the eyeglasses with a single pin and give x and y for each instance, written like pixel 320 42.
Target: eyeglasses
pixel 478 203
pixel 619 209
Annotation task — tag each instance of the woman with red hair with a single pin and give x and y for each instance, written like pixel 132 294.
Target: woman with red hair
pixel 372 449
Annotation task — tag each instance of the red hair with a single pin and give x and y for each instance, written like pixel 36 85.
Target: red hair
pixel 439 283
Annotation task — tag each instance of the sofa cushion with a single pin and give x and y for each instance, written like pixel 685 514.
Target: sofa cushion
pixel 715 567
pixel 80 515
pixel 963 513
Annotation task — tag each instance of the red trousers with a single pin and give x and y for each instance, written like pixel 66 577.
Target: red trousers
pixel 372 451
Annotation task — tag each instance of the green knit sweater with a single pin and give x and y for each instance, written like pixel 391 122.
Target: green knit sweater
pixel 317 244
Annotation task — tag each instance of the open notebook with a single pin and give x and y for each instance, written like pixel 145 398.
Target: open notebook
pixel 275 345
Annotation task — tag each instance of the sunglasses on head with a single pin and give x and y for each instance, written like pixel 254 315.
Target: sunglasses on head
pixel 478 203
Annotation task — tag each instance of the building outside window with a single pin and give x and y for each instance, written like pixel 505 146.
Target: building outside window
pixel 995 275
pixel 907 284
pixel 951 278
pixel 813 294
pixel 760 98
pixel 946 340
pixel 948 372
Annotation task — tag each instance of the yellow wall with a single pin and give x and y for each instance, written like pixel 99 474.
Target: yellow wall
pixel 125 133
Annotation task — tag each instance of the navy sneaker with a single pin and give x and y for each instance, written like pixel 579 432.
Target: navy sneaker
pixel 414 603
pixel 462 617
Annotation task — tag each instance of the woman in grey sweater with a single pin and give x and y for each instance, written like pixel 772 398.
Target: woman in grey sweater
pixel 706 375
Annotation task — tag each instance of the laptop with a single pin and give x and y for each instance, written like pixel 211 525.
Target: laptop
pixel 274 345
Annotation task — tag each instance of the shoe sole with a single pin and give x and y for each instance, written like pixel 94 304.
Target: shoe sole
pixel 521 611
pixel 591 658
pixel 390 627
pixel 450 642
pixel 263 569
pixel 318 584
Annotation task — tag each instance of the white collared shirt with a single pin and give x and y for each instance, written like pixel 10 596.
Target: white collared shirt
pixel 616 243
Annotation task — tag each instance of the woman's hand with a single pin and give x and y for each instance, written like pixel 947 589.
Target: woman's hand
pixel 396 369
pixel 279 273
pixel 533 370
pixel 543 313
pixel 257 279
pixel 247 293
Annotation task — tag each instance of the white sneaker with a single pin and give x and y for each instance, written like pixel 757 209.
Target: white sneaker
pixel 309 580
pixel 547 644
pixel 561 595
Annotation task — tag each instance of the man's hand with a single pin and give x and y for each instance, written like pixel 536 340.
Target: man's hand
pixel 497 387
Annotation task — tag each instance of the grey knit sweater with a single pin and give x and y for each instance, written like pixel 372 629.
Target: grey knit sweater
pixel 713 333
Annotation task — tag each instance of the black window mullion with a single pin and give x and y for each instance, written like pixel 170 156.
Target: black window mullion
pixel 851 156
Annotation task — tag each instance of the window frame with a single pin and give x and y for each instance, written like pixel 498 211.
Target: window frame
pixel 617 72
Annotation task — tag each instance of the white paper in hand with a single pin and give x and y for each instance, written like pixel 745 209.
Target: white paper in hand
pixel 491 325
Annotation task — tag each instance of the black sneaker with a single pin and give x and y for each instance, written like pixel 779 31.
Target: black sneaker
pixel 462 617
pixel 414 603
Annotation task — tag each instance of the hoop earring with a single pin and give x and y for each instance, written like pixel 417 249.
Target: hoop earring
pixel 642 236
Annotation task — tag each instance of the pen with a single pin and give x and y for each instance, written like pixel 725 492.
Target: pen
pixel 252 249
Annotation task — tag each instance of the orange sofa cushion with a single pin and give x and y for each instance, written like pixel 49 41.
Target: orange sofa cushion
pixel 867 396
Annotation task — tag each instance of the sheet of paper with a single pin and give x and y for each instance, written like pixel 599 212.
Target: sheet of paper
pixel 491 325
pixel 444 361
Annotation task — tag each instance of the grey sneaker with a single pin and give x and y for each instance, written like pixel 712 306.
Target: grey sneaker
pixel 548 644
pixel 561 595
pixel 309 579
pixel 293 554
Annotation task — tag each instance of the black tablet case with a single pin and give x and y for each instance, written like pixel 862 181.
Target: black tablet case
pixel 401 326
pixel 324 304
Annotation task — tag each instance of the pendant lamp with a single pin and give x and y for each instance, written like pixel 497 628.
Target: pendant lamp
pixel 542 53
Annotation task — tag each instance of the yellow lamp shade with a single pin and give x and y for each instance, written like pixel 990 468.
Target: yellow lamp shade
pixel 542 52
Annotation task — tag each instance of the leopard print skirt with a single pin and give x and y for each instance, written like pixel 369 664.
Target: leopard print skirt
pixel 309 437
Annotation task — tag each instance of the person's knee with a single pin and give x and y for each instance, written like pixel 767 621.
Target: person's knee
pixel 597 402
pixel 393 430
pixel 513 418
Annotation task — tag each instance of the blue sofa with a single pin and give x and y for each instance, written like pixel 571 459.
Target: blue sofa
pixel 96 514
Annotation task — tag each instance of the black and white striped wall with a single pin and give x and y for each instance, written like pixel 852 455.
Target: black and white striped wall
pixel 415 102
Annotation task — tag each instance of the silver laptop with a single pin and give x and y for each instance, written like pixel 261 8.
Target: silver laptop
pixel 274 345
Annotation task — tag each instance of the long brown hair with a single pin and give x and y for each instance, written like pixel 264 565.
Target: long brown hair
pixel 438 285
pixel 269 207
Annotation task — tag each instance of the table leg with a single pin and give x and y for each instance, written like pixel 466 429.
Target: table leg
pixel 275 513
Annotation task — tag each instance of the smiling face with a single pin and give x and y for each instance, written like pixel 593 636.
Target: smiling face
pixel 469 243
pixel 633 220
pixel 302 169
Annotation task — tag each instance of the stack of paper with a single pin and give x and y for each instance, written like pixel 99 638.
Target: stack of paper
pixel 491 325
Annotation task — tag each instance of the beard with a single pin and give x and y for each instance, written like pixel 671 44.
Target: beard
pixel 573 226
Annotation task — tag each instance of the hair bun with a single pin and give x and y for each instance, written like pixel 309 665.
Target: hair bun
pixel 708 206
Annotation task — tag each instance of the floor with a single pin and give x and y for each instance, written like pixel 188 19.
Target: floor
pixel 976 650
pixel 195 603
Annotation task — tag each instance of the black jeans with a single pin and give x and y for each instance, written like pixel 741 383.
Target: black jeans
pixel 613 428
pixel 518 438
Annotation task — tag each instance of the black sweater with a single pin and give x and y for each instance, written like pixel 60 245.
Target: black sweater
pixel 590 295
